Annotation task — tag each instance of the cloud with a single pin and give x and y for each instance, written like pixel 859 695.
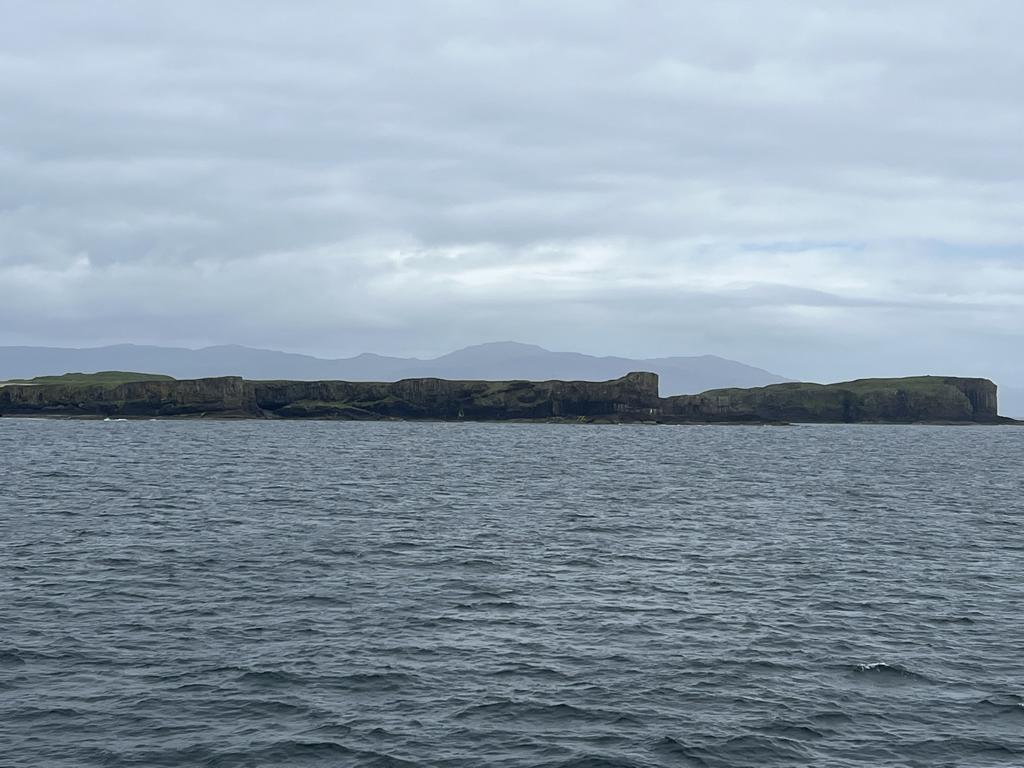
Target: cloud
pixel 812 188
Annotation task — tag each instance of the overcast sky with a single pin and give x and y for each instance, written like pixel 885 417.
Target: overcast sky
pixel 823 189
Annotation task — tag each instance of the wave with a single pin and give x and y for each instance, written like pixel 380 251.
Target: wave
pixel 494 605
pixel 372 681
pixel 529 670
pixel 285 752
pixel 296 752
pixel 1007 705
pixel 11 658
pixel 478 562
pixel 795 731
pixel 676 748
pixel 268 677
pixel 745 749
pixel 882 670
pixel 533 710
pixel 596 761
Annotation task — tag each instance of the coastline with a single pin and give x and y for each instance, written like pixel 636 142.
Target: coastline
pixel 631 399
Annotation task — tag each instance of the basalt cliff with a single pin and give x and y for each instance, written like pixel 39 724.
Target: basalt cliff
pixel 632 398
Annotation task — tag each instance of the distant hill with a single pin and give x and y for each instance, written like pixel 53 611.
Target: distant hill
pixel 500 360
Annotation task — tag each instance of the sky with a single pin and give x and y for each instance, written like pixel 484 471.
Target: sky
pixel 826 190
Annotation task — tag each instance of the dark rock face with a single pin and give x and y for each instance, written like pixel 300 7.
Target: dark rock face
pixel 633 397
pixel 634 393
pixel 226 396
pixel 924 398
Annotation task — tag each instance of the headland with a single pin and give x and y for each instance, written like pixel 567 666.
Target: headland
pixel 633 398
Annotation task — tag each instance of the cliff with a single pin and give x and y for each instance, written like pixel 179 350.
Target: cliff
pixel 633 397
pixel 907 400
pixel 225 396
pixel 628 397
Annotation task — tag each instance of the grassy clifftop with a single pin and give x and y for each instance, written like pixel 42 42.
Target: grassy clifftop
pixel 102 377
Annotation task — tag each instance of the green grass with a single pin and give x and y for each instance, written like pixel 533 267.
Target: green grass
pixel 103 377
pixel 858 386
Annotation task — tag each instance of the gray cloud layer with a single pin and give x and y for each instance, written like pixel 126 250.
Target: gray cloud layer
pixel 822 189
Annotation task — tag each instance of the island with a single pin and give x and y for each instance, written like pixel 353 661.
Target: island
pixel 633 398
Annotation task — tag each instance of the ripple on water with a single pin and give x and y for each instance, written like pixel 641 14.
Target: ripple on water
pixel 387 594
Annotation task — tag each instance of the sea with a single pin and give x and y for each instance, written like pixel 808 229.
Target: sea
pixel 272 593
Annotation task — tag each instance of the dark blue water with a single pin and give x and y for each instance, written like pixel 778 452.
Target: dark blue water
pixel 353 594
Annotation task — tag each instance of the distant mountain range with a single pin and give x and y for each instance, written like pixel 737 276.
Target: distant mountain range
pixel 500 360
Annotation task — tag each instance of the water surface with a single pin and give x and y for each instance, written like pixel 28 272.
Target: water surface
pixel 400 594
